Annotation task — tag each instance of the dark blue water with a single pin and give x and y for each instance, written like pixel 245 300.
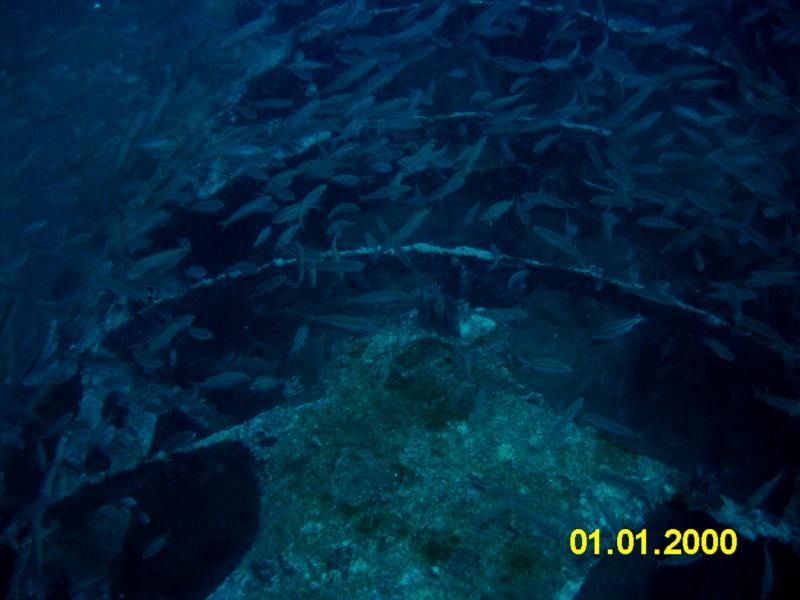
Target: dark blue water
pixel 384 300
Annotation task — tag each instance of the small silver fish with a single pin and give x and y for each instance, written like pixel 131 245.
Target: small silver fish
pixel 264 383
pixel 155 545
pixel 225 380
pixel 518 278
pixel 299 340
pixel 347 323
pixel 559 241
pixel 166 333
pixel 616 328
pixel 719 349
pixel 605 424
pixel 566 417
pixel 469 217
pixel 552 366
pixel 201 334
pixel 159 262
pixel 496 210
pixel 262 236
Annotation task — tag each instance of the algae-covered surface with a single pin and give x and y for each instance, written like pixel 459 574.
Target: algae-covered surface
pixel 431 468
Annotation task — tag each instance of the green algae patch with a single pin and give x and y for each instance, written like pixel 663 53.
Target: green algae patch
pixel 429 469
pixel 437 546
pixel 427 385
